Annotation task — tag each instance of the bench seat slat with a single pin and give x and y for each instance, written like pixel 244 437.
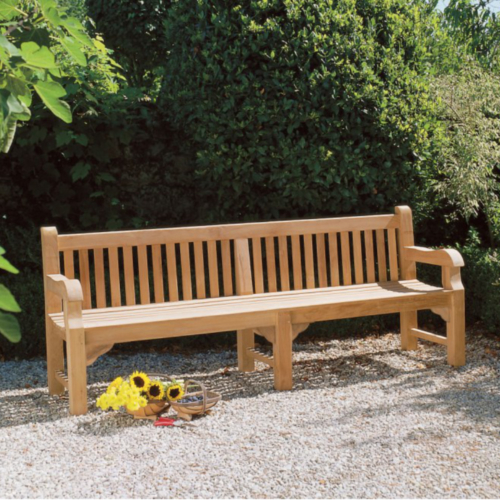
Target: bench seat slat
pixel 375 298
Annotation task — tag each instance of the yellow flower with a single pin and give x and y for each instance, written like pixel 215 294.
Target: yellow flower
pixel 139 380
pixel 156 390
pixel 117 382
pixel 175 392
pixel 133 405
pixel 103 402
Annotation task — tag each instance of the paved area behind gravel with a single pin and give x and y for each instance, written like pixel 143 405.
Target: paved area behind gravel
pixel 364 420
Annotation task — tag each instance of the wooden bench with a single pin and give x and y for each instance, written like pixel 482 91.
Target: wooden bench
pixel 271 278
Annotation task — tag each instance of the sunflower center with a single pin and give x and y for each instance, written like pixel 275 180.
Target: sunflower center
pixel 154 390
pixel 174 393
pixel 139 382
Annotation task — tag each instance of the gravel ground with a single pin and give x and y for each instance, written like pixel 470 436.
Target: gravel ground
pixel 364 420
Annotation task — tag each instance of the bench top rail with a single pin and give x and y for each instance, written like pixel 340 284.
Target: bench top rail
pixel 223 232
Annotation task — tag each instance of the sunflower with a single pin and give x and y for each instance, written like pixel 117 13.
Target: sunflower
pixel 175 392
pixel 155 390
pixel 139 380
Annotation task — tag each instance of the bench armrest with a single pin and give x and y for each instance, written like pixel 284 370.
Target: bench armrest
pixel 442 257
pixel 68 290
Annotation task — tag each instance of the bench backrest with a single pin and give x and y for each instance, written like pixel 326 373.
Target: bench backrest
pixel 159 265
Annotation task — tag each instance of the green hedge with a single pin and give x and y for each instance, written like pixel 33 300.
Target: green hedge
pixel 301 107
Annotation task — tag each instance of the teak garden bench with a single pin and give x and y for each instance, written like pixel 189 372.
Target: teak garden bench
pixel 271 279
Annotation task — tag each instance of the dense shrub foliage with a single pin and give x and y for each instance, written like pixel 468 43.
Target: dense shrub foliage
pixel 319 107
pixel 267 109
pixel 135 31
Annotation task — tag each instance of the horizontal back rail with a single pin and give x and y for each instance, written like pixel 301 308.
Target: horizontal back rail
pixel 224 232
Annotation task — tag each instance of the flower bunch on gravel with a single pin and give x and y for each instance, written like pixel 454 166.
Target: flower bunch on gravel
pixel 137 391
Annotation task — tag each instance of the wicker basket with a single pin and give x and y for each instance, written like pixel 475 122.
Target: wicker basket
pixel 187 410
pixel 155 407
pixel 151 410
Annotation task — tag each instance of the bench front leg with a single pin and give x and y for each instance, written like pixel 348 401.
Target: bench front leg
pixel 282 352
pixel 76 358
pixel 455 326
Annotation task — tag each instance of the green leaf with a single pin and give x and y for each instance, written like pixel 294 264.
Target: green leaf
pixel 82 139
pixel 80 171
pixel 63 138
pixel 8 46
pixel 7 300
pixel 40 57
pixel 17 109
pixel 7 133
pixel 74 49
pixel 52 15
pixel 76 29
pixel 50 92
pixel 9 327
pixel 7 266
pixel 8 9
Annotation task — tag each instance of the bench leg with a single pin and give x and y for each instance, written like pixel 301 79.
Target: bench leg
pixel 246 340
pixel 408 320
pixel 455 330
pixel 282 353
pixel 77 371
pixel 55 359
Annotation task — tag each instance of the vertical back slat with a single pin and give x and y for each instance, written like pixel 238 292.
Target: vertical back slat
pixel 370 260
pixel 142 257
pixel 309 261
pixel 297 263
pixel 173 286
pixel 187 284
pixel 199 269
pixel 321 258
pixel 393 254
pixel 271 264
pixel 381 257
pixel 227 271
pixel 114 277
pixel 100 283
pixel 346 258
pixel 83 257
pixel 129 275
pixel 358 257
pixel 284 266
pixel 158 274
pixel 257 265
pixel 334 259
pixel 213 269
pixel 69 264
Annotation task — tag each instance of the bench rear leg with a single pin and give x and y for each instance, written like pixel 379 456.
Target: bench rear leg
pixel 455 330
pixel 408 320
pixel 246 340
pixel 282 353
pixel 55 359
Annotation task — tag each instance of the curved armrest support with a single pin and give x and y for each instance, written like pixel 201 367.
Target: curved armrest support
pixel 442 257
pixel 68 290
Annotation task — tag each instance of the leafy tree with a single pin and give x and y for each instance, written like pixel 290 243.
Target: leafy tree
pixel 40 46
pixel 469 106
pixel 475 28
